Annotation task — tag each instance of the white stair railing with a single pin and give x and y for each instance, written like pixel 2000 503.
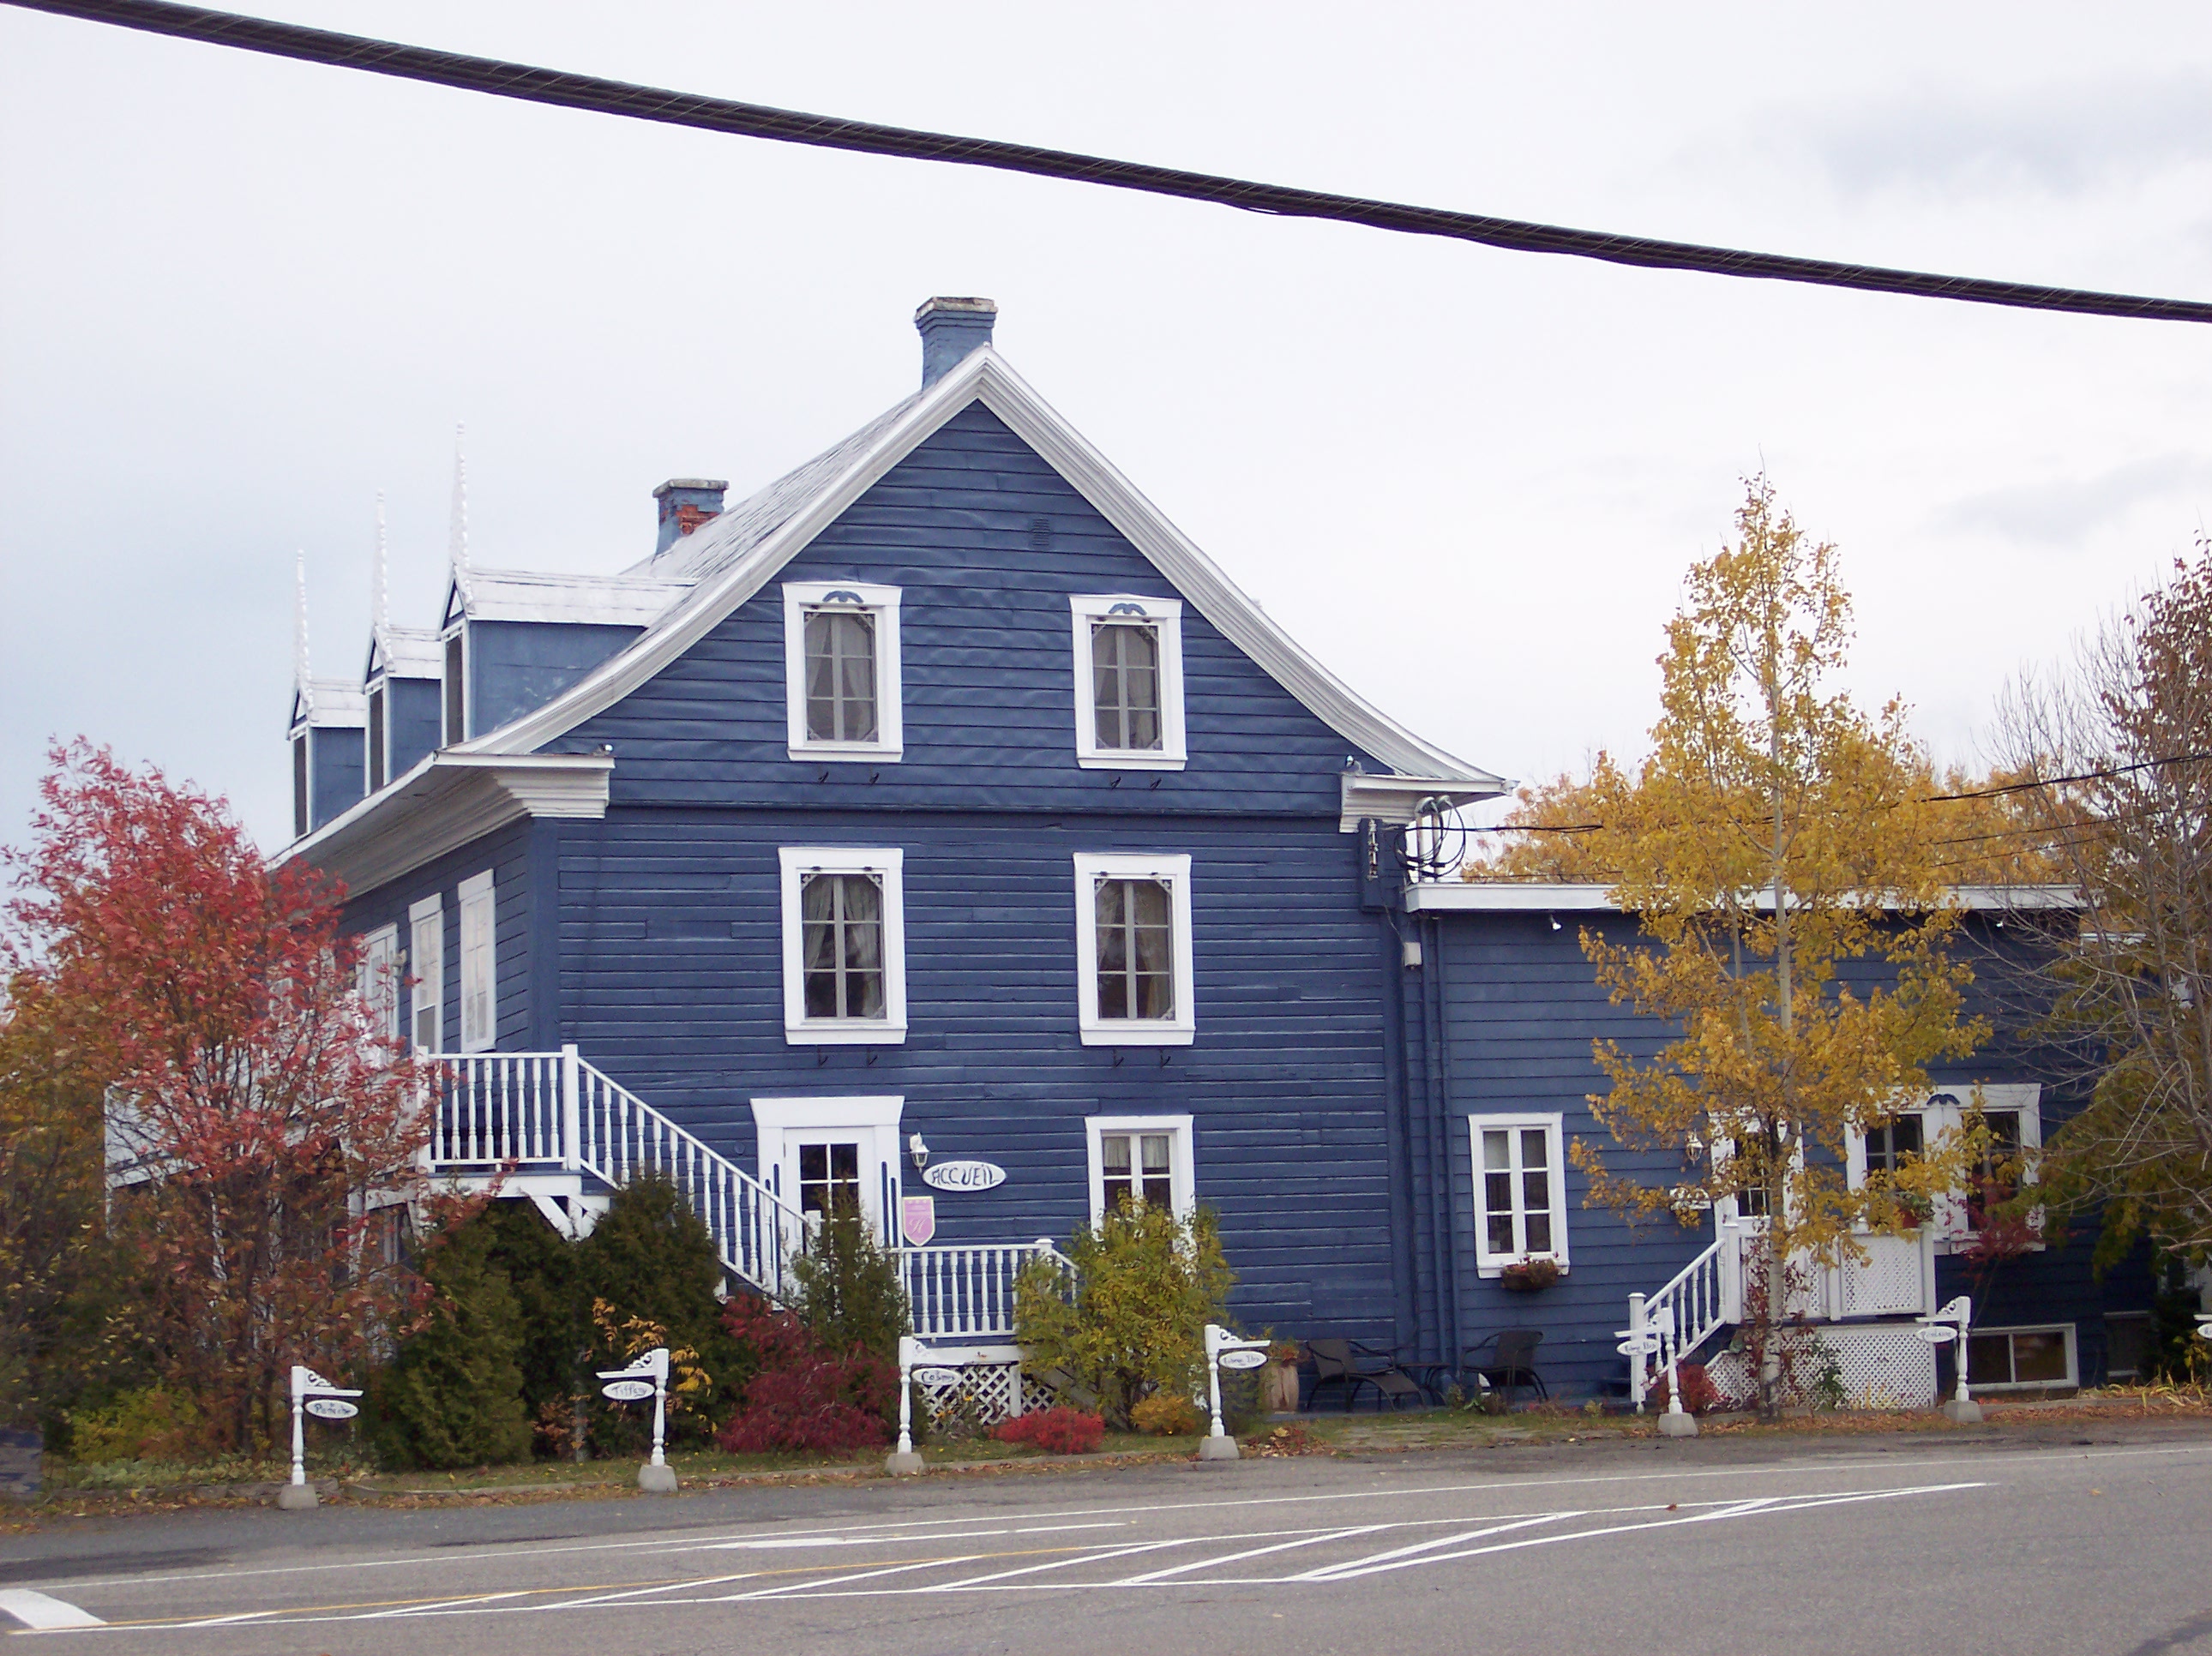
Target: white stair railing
pixel 967 1292
pixel 1704 1297
pixel 537 1112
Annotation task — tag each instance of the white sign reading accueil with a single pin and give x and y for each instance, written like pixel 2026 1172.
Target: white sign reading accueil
pixel 964 1175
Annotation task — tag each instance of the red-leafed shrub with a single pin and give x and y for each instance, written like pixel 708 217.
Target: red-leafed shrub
pixel 1057 1431
pixel 806 1397
pixel 1699 1395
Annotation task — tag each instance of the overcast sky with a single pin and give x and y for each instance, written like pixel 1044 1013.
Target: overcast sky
pixel 238 296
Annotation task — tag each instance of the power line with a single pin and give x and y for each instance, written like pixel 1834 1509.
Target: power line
pixel 586 91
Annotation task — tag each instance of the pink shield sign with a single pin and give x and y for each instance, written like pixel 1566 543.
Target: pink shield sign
pixel 918 1219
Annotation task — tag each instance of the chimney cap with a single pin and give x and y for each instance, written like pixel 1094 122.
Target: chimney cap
pixel 948 305
pixel 674 483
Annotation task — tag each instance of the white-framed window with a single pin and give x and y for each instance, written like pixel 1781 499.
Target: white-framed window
pixel 425 948
pixel 378 979
pixel 2013 1110
pixel 1132 950
pixel 1520 1191
pixel 841 664
pixel 479 963
pixel 1145 1158
pixel 2008 1359
pixel 844 945
pixel 1128 681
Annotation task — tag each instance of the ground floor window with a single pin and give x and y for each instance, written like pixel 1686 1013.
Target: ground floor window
pixel 829 1176
pixel 1521 1210
pixel 1140 1158
pixel 1999 1357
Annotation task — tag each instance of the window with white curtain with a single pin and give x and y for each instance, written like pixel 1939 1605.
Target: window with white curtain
pixel 841 673
pixel 1128 681
pixel 378 979
pixel 426 946
pixel 479 964
pixel 844 944
pixel 1133 951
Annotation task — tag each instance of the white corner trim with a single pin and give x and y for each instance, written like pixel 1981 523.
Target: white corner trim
pixel 1165 616
pixel 794 863
pixel 1174 872
pixel 882 602
pixel 984 378
pixel 1182 1155
pixel 447 800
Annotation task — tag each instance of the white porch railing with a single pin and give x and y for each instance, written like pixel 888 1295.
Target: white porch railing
pixel 967 1292
pixel 538 1111
pixel 1895 1277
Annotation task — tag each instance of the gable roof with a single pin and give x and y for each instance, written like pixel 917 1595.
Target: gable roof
pixel 629 599
pixel 732 557
pixel 404 652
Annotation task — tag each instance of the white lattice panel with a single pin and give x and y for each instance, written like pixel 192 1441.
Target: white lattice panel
pixel 1888 1282
pixel 1890 1367
pixel 985 1392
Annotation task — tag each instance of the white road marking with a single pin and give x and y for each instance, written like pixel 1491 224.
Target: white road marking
pixel 672 1543
pixel 1316 1539
pixel 640 1592
pixel 42 1614
pixel 468 1603
pixel 799 1586
pixel 832 1539
pixel 1390 1560
pixel 1087 1556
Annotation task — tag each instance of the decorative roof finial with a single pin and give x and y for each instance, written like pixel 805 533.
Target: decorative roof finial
pixel 379 582
pixel 457 549
pixel 301 682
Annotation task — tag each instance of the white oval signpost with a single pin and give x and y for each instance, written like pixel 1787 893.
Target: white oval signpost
pixel 1224 1351
pixel 964 1175
pixel 646 1377
pixel 937 1376
pixel 310 1395
pixel 1243 1359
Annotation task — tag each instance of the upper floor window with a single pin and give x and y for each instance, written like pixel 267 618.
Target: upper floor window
pixel 1134 950
pixel 844 944
pixel 426 944
pixel 380 975
pixel 1521 1200
pixel 842 670
pixel 1129 683
pixel 2011 1116
pixel 479 963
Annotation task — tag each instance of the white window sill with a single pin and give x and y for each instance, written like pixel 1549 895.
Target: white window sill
pixel 1131 762
pixel 1134 1034
pixel 845 1032
pixel 850 752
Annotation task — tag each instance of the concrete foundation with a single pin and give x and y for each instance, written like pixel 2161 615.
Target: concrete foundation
pixel 1674 1425
pixel 1963 1414
pixel 297 1498
pixel 657 1480
pixel 1217 1448
pixel 902 1465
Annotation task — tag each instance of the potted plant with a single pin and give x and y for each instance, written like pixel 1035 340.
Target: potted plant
pixel 1529 1276
pixel 1278 1390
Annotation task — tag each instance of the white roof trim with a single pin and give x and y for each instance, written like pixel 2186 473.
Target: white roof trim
pixel 1396 799
pixel 330 703
pixel 538 596
pixel 984 378
pixel 447 800
pixel 1561 897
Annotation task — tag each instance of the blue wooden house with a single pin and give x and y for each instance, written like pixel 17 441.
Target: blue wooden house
pixel 939 829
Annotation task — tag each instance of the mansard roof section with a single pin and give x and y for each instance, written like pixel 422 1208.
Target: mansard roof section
pixel 629 599
pixel 405 652
pixel 735 556
pixel 328 704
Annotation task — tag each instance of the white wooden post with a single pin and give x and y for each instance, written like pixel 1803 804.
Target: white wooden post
pixel 331 1402
pixel 649 1372
pixel 1677 1421
pixel 1214 1338
pixel 903 1462
pixel 1635 1338
pixel 572 1111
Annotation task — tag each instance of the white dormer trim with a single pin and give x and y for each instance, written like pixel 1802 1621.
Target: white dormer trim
pixel 984 378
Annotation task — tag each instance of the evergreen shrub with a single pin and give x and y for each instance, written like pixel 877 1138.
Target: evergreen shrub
pixel 453 1395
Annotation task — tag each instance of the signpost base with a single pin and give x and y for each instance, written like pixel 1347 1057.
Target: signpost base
pixel 296 1497
pixel 657 1480
pixel 1673 1425
pixel 1963 1414
pixel 1216 1448
pixel 902 1464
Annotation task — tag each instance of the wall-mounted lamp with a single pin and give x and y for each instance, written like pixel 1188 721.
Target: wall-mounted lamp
pixel 918 1150
pixel 1554 920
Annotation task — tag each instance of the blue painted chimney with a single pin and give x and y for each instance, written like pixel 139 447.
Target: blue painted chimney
pixel 685 503
pixel 952 329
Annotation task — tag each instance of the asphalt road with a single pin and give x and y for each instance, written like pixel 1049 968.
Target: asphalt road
pixel 1944 1545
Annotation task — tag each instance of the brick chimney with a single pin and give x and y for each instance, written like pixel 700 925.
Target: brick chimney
pixel 685 503
pixel 952 329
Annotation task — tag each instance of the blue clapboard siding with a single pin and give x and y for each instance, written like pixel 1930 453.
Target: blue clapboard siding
pixel 507 854
pixel 336 755
pixel 515 666
pixel 672 981
pixel 415 730
pixel 1521 1007
pixel 986 544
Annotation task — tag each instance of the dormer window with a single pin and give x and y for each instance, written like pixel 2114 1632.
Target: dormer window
pixel 842 670
pixel 1129 683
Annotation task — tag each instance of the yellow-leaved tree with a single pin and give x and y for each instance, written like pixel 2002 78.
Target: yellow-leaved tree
pixel 1781 854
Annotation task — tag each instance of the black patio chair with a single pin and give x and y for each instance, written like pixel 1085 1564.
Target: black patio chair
pixel 1507 1360
pixel 1349 1364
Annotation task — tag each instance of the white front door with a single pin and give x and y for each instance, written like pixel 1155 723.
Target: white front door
pixel 819 1153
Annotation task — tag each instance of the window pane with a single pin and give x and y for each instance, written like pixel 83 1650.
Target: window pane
pixel 1536 1191
pixel 2041 1358
pixel 1989 1360
pixel 1125 658
pixel 842 946
pixel 840 677
pixel 1136 949
pixel 1159 1191
pixel 1904 1135
pixel 1114 1153
pixel 813 1162
pixel 1532 1148
pixel 1156 1152
pixel 1539 1231
pixel 1496 1151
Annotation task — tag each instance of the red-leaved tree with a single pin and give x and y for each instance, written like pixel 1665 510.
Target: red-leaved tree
pixel 270 1129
